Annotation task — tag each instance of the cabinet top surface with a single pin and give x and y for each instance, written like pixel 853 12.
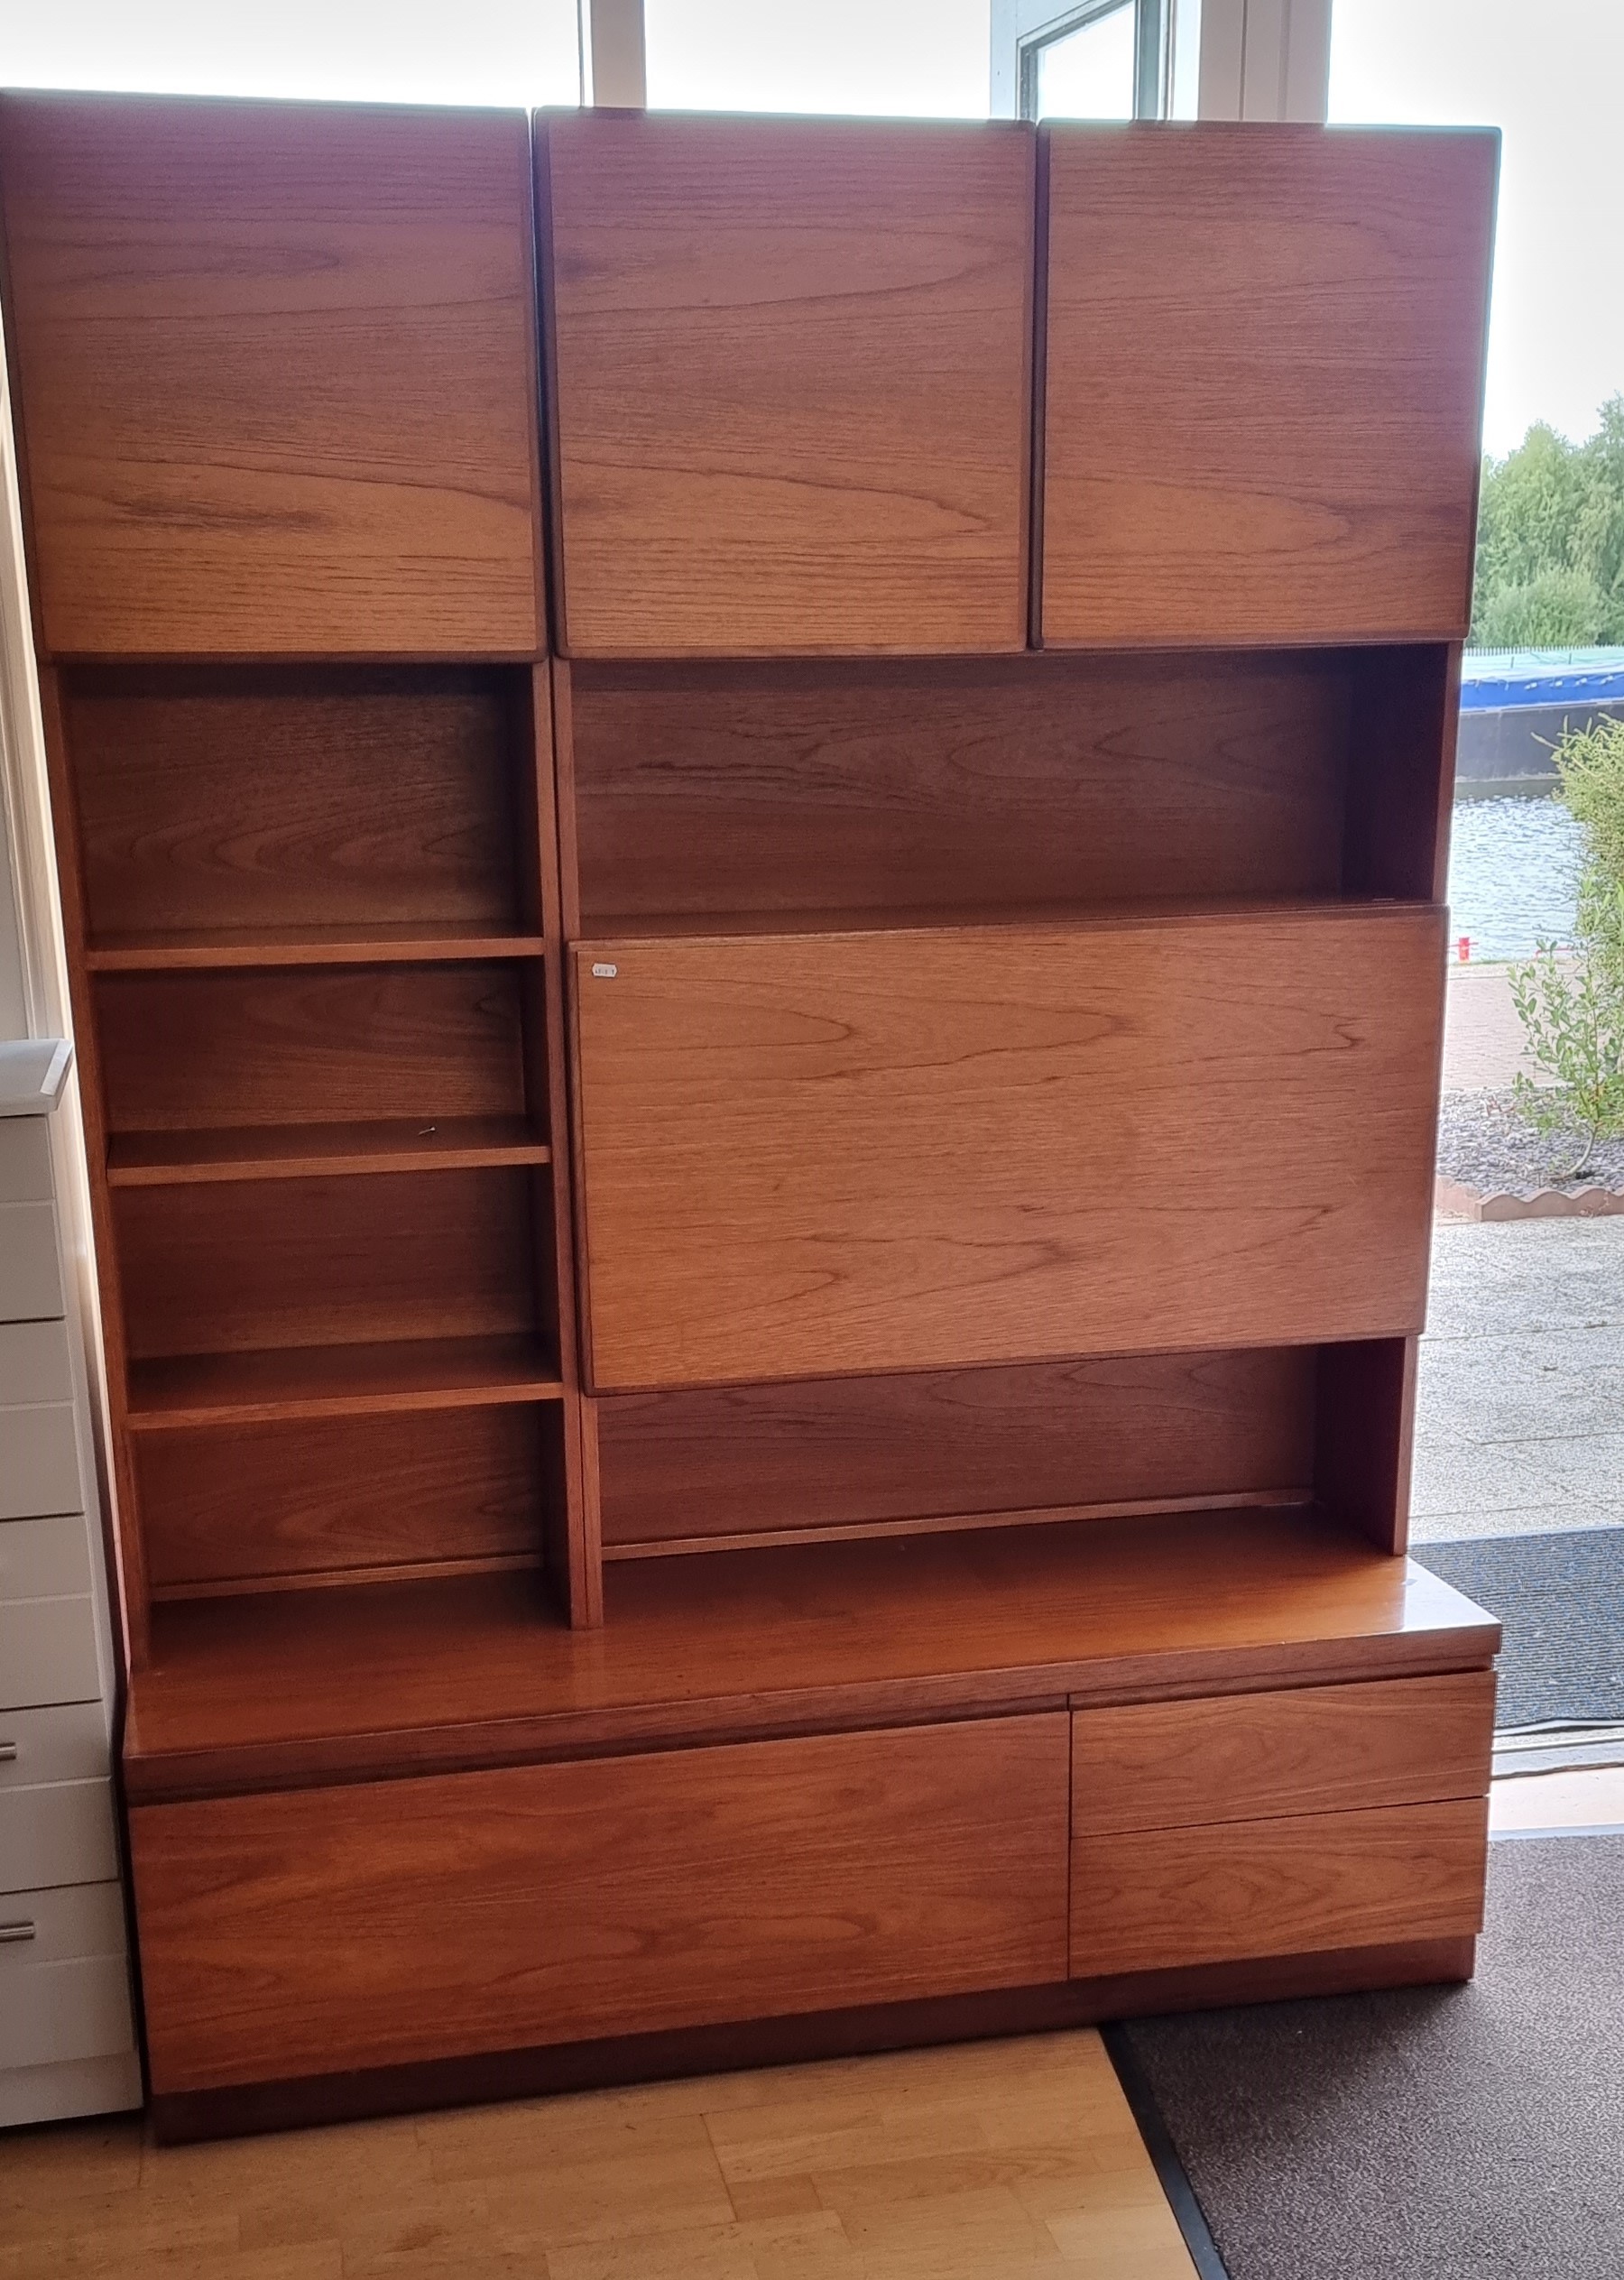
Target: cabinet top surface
pixel 296 1687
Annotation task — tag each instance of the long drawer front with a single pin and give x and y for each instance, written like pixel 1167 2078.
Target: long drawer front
pixel 815 1155
pixel 318 1930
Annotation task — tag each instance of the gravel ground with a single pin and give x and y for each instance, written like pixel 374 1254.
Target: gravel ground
pixel 1485 1145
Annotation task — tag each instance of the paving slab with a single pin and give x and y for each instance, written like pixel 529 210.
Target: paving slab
pixel 1519 1413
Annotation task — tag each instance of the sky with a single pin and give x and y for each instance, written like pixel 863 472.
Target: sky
pixel 1549 73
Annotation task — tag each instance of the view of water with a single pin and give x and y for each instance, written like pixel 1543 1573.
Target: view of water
pixel 1513 868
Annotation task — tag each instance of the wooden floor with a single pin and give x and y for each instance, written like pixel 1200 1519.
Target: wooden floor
pixel 991 2161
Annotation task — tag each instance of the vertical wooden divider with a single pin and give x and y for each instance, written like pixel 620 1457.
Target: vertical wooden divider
pixel 122 1524
pixel 574 1556
pixel 1365 1431
pixel 581 1401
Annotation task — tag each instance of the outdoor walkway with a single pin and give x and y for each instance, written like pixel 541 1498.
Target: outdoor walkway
pixel 1520 1424
pixel 1482 1037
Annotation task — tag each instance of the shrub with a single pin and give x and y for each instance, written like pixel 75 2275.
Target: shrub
pixel 1573 1015
pixel 1554 609
pixel 1573 1010
pixel 1590 763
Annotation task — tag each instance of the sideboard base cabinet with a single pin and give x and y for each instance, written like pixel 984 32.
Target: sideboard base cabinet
pixel 1156 1748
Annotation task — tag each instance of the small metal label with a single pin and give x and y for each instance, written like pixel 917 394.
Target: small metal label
pixel 604 973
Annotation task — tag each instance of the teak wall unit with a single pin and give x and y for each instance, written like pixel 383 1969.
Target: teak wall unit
pixel 858 1491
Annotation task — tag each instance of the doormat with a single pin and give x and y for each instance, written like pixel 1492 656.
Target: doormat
pixel 1560 1598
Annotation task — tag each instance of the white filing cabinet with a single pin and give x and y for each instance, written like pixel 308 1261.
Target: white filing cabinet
pixel 67 2033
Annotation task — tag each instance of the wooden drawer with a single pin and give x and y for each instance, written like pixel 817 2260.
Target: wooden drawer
pixel 1264 357
pixel 791 366
pixel 275 367
pixel 816 1155
pixel 64 1976
pixel 1167 1765
pixel 1154 1899
pixel 308 1932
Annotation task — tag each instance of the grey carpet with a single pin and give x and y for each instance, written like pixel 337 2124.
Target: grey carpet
pixel 1469 2133
pixel 1561 1598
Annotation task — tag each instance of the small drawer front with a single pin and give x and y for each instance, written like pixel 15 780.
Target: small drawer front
pixel 1167 1765
pixel 35 1367
pixel 39 1462
pixel 1156 1900
pixel 47 1651
pixel 25 1160
pixel 67 1742
pixel 30 1274
pixel 306 1932
pixel 64 1976
pixel 44 1559
pixel 60 1833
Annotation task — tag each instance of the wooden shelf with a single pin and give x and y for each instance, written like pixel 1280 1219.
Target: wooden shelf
pixel 962 918
pixel 301 1686
pixel 304 945
pixel 294 1152
pixel 188 1391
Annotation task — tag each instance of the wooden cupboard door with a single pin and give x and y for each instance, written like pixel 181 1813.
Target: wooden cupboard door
pixel 324 1929
pixel 811 1156
pixel 275 368
pixel 1160 1898
pixel 1392 1741
pixel 1263 383
pixel 791 365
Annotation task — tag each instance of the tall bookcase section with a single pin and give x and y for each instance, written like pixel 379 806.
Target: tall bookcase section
pixel 275 378
pixel 1007 1012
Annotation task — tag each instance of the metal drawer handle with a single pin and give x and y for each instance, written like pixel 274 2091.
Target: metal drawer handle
pixel 23 1930
pixel 8 1751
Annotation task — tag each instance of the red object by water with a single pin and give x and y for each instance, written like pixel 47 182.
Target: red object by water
pixel 1464 948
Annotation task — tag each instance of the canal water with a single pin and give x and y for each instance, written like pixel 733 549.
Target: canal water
pixel 1513 872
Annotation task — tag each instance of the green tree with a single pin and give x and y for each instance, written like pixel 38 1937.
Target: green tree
pixel 1550 558
pixel 1553 609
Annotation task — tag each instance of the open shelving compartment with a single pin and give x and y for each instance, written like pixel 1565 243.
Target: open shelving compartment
pixel 320 959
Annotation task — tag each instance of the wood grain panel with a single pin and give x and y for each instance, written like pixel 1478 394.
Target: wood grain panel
pixel 234 1266
pixel 316 795
pixel 1005 781
pixel 277 1503
pixel 843 1453
pixel 1162 1898
pixel 1264 378
pixel 1252 1757
pixel 790 377
pixel 275 369
pixel 794 1638
pixel 297 1045
pixel 907 1149
pixel 297 1934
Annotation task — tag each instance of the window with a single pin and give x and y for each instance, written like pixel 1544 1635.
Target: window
pixel 896 59
pixel 1089 59
pixel 503 51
